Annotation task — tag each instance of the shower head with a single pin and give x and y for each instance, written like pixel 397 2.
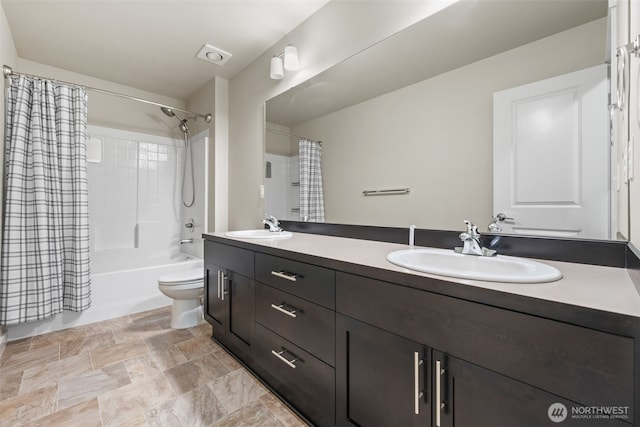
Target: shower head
pixel 183 126
pixel 183 122
pixel 168 111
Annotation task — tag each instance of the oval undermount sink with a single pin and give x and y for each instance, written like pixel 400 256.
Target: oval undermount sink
pixel 259 234
pixel 499 268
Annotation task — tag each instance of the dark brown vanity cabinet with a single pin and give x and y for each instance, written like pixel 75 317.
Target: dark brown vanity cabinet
pixel 229 293
pixel 349 350
pixel 488 367
pixel 382 379
pixel 295 334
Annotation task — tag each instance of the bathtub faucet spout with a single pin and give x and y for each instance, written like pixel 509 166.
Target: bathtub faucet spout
pixel 183 241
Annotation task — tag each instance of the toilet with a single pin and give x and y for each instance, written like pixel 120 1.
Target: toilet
pixel 186 288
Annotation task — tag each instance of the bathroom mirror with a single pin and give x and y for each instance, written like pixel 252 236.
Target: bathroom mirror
pixel 415 113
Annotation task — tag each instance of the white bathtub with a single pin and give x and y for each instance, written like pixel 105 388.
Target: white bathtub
pixel 113 294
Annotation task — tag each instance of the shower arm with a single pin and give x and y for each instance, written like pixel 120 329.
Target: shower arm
pixel 7 71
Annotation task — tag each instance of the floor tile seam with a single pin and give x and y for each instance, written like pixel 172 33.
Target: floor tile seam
pixel 214 390
pixel 31 421
pixel 182 353
pixel 100 410
pixel 82 351
pixel 119 360
pixel 5 355
pixel 269 409
pixel 93 366
pixel 143 408
pixel 7 371
pixel 280 420
pixel 50 382
pixel 171 386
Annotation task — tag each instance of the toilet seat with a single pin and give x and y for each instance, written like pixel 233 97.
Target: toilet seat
pixel 194 276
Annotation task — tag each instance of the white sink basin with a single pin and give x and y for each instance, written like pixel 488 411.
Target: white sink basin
pixel 445 262
pixel 259 234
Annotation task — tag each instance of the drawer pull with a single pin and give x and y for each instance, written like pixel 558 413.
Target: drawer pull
pixel 286 275
pixel 279 354
pixel 281 308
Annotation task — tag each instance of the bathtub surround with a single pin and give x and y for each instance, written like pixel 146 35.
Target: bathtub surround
pixel 132 370
pixel 135 198
pixel 137 221
pixel 45 241
pixel 282 187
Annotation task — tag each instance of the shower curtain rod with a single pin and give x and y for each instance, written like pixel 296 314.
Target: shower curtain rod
pixel 8 71
pixel 292 134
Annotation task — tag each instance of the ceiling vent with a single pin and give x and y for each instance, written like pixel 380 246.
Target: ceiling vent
pixel 213 54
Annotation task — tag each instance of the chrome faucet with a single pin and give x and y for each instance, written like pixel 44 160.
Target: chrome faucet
pixel 494 226
pixel 272 222
pixel 185 241
pixel 471 241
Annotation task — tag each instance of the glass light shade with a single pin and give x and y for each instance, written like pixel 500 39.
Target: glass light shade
pixel 277 72
pixel 291 58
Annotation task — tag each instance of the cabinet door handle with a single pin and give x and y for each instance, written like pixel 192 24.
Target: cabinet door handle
pixel 417 394
pixel 219 281
pixel 440 405
pixel 225 279
pixel 286 275
pixel 290 363
pixel 281 308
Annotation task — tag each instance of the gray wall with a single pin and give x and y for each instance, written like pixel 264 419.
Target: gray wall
pixel 435 136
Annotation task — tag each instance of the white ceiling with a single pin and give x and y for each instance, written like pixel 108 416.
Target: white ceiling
pixel 151 44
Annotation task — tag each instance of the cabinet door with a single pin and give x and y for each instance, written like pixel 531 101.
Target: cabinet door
pixel 215 304
pixel 238 292
pixel 229 306
pixel 468 395
pixel 381 378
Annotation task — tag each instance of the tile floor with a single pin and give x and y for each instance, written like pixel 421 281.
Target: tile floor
pixel 131 371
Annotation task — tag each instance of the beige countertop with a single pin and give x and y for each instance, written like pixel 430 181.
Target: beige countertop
pixel 608 289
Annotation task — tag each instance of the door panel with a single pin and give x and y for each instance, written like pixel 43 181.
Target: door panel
pixel 550 145
pixel 216 308
pixel 241 313
pixel 474 396
pixel 376 376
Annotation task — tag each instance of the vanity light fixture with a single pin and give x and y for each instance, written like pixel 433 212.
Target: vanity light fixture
pixel 291 62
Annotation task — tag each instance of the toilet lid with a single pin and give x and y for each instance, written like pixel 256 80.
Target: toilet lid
pixel 182 277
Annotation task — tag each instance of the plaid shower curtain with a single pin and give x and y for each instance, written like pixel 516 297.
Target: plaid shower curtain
pixel 311 193
pixel 45 230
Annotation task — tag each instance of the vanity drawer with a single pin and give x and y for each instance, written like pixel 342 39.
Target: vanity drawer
pixel 301 379
pixel 313 283
pixel 229 257
pixel 304 323
pixel 590 367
